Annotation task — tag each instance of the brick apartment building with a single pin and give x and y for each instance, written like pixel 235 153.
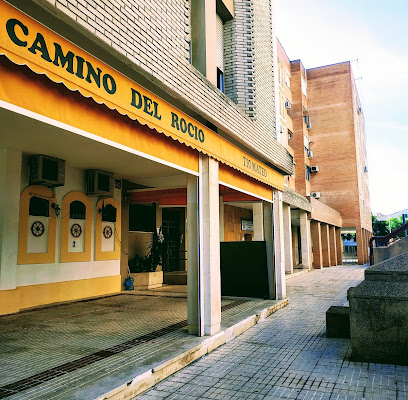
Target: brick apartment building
pixel 321 122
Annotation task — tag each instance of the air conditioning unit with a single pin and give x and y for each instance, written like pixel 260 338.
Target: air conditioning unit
pixel 309 126
pixel 310 154
pixel 47 171
pixel 288 105
pixel 316 195
pixel 314 169
pixel 99 183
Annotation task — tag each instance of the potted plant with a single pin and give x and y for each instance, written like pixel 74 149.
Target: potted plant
pixel 143 269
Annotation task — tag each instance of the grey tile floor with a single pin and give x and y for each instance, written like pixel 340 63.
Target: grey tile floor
pixel 84 349
pixel 287 356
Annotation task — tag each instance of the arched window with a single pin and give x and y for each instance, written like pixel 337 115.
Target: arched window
pixel 37 226
pixel 77 210
pixel 107 230
pixel 76 228
pixel 108 213
pixel 39 207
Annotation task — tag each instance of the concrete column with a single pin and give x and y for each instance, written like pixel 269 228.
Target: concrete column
pixel 295 246
pixel 192 255
pixel 333 245
pixel 258 219
pixel 203 38
pixel 268 226
pixel 124 237
pixel 159 216
pixel 10 178
pixel 360 245
pixel 367 238
pixel 287 237
pixel 339 247
pixel 221 219
pixel 305 239
pixel 326 245
pixel 317 245
pixel 279 248
pixel 364 245
pixel 209 256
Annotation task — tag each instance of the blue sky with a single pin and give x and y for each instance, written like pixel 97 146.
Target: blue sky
pixel 322 32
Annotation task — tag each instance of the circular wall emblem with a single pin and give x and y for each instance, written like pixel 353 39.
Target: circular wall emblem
pixel 76 230
pixel 107 232
pixel 37 228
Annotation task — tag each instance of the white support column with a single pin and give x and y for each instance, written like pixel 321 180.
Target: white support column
pixel 287 237
pixel 279 250
pixel 305 239
pixel 221 219
pixel 258 219
pixel 10 178
pixel 209 256
pixel 268 225
pixel 192 255
pixel 159 216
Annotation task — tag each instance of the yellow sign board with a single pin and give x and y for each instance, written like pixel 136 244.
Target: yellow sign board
pixel 25 41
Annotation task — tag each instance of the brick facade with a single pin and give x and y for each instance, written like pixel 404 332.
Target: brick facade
pixel 155 37
pixel 339 140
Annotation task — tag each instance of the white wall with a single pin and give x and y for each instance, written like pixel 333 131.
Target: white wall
pixel 34 274
pixel 10 161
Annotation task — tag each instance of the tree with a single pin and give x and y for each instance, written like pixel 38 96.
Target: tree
pixel 380 228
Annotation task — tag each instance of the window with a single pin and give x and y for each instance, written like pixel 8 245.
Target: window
pixel 77 210
pixel 282 109
pixel 287 79
pixel 220 80
pixel 39 207
pixel 219 48
pixel 306 119
pixel 307 173
pixel 290 133
pixel 280 73
pixel 306 142
pixel 142 217
pixel 304 86
pixel 108 213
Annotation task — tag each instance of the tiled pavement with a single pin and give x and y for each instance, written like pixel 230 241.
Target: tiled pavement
pixel 82 350
pixel 287 356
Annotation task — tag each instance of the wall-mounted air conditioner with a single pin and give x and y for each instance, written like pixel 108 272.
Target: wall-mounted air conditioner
pixel 309 126
pixel 99 183
pixel 316 195
pixel 47 171
pixel 310 154
pixel 288 105
pixel 314 169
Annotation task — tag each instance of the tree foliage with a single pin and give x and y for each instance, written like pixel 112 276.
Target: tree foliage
pixel 381 228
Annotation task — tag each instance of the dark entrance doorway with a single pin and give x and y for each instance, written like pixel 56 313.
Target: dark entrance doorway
pixel 173 227
pixel 244 270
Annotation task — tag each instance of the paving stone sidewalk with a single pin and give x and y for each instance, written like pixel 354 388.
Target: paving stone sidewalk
pixel 81 350
pixel 288 356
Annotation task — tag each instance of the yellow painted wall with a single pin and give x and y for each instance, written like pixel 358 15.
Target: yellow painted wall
pixel 23 297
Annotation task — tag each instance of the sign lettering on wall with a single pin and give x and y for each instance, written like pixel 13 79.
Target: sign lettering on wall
pixel 24 40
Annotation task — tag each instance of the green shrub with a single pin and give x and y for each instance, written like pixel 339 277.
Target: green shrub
pixel 141 264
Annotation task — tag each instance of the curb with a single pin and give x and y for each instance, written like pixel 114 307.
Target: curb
pixel 146 380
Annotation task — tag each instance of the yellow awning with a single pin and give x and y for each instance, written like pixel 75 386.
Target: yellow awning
pixel 27 42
